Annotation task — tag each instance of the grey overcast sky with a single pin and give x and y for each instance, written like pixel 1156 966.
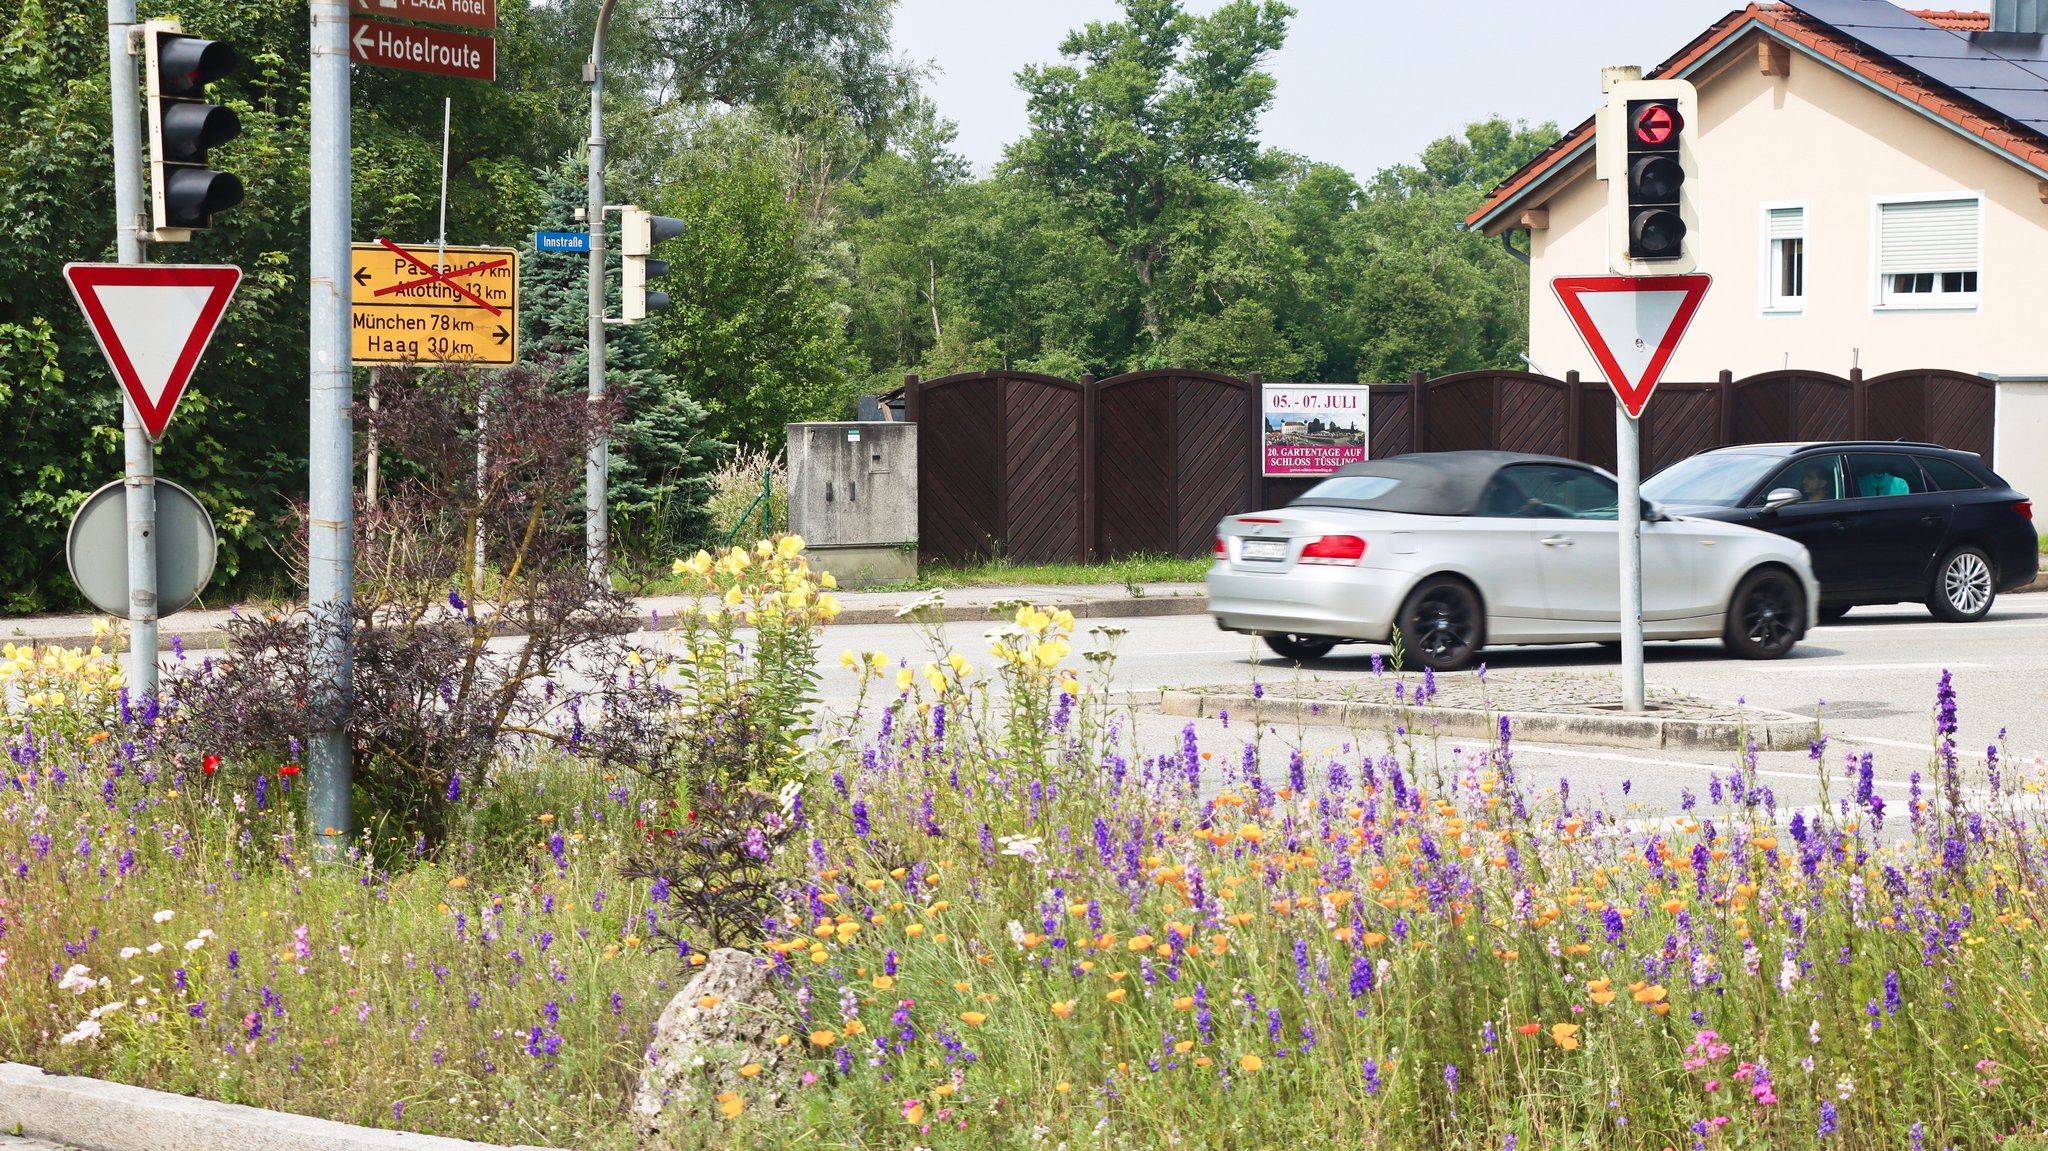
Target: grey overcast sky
pixel 1362 83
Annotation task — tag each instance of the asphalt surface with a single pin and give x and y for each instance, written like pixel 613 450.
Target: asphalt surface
pixel 1872 675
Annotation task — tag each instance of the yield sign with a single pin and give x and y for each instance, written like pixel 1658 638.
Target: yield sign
pixel 153 322
pixel 1631 324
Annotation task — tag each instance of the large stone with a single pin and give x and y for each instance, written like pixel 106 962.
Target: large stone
pixel 698 1050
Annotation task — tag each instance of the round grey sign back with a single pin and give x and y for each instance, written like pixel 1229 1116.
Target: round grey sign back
pixel 97 549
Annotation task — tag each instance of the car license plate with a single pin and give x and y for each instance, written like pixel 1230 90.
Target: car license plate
pixel 1268 550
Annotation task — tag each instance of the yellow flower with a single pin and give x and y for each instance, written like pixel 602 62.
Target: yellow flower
pixel 751 1070
pixel 878 661
pixel 884 982
pixel 914 930
pixel 825 580
pixel 903 679
pixel 1063 1087
pixel 943 1090
pixel 963 988
pixel 789 546
pixel 1251 1063
pixel 973 1018
pixel 916 1114
pixel 1063 1008
pixel 849 661
pixel 731 1105
pixel 708 1002
pixel 1117 996
pixel 459 882
pixel 823 1037
pixel 1566 1035
pixel 1184 1003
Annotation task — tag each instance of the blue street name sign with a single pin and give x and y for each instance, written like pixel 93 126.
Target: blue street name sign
pixel 562 241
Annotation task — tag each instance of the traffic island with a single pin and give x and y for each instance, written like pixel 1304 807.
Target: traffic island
pixel 1541 707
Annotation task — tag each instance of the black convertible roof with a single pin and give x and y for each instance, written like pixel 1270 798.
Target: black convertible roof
pixel 1431 483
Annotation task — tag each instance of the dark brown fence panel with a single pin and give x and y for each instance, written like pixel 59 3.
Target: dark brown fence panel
pixel 1779 406
pixel 1174 453
pixel 1682 420
pixel 959 473
pixel 1507 411
pixel 1134 466
pixel 1596 422
pixel 1000 467
pixel 1946 408
pixel 1217 461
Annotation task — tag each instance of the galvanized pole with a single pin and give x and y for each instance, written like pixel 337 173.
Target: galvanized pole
pixel 139 455
pixel 330 590
pixel 596 503
pixel 1628 462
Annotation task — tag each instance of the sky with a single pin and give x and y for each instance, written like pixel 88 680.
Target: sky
pixel 1361 83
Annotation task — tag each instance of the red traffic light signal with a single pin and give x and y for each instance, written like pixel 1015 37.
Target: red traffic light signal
pixel 1655 123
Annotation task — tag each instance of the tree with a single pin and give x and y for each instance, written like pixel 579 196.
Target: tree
pixel 1163 110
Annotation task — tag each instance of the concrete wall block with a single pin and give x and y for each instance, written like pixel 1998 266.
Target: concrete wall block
pixel 853 483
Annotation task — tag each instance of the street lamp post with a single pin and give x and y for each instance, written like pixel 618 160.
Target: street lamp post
pixel 596 526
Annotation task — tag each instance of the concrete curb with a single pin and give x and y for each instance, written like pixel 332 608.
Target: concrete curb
pixel 214 638
pixel 100 1116
pixel 1634 731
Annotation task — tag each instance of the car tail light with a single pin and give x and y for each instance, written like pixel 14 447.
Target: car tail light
pixel 1254 520
pixel 1221 551
pixel 1339 551
pixel 2025 508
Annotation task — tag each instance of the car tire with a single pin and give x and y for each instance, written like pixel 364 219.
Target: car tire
pixel 1829 613
pixel 1766 615
pixel 1288 645
pixel 1964 586
pixel 1442 625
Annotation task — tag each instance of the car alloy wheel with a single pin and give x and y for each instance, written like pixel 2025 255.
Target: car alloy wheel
pixel 1288 645
pixel 1440 626
pixel 1767 615
pixel 1963 586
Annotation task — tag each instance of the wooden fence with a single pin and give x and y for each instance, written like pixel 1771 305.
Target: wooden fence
pixel 1040 469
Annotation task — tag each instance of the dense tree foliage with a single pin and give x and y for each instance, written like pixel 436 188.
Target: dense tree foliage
pixel 835 237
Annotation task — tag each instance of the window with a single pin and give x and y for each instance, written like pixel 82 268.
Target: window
pixel 1785 268
pixel 1949 476
pixel 1545 491
pixel 1927 253
pixel 1816 478
pixel 1884 475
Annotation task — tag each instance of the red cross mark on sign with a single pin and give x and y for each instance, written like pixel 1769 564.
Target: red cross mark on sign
pixel 1655 123
pixel 443 276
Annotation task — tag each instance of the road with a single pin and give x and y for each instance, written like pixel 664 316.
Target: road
pixel 1876 670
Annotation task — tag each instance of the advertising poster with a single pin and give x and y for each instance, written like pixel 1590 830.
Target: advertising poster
pixel 1314 429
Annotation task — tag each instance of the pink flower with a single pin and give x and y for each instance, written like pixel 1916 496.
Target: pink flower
pixel 1713 1084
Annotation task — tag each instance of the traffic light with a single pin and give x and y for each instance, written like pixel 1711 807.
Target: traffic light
pixel 184 193
pixel 639 231
pixel 1645 143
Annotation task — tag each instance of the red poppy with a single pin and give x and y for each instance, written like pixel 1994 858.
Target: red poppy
pixel 288 769
pixel 210 764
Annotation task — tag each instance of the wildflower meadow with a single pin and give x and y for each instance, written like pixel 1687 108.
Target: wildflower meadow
pixel 992 918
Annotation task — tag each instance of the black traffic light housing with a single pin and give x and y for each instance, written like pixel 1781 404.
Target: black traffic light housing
pixel 1656 180
pixel 639 231
pixel 184 192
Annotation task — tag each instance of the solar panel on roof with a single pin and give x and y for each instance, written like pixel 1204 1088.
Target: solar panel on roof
pixel 2005 72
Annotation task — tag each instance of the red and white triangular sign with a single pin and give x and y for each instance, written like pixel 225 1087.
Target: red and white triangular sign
pixel 153 322
pixel 1631 324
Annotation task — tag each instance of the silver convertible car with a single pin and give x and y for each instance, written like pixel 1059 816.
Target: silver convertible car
pixel 1458 550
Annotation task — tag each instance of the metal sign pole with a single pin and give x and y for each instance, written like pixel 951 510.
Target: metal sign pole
pixel 330 590
pixel 596 511
pixel 139 455
pixel 1628 462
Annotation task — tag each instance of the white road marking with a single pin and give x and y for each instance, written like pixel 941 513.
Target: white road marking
pixel 1615 757
pixel 1821 665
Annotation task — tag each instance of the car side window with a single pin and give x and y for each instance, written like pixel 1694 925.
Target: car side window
pixel 1544 491
pixel 1816 478
pixel 1873 474
pixel 1949 476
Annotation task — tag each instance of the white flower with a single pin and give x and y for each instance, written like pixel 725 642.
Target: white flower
pixel 86 1029
pixel 206 933
pixel 154 948
pixel 163 916
pixel 109 1008
pixel 77 980
pixel 130 952
pixel 194 944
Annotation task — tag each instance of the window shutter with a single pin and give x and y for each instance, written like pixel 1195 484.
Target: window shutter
pixel 1786 224
pixel 1927 236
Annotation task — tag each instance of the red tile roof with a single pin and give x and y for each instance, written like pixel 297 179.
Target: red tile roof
pixel 1821 40
pixel 1955 21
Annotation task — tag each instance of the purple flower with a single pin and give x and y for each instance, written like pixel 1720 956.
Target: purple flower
pixel 1827 1120
pixel 1372 1078
pixel 860 819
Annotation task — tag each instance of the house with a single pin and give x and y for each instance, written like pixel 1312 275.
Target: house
pixel 1872 187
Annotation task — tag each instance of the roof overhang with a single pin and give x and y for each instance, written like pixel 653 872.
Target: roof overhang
pixel 1559 164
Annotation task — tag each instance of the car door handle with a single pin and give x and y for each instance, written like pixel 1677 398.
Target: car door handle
pixel 1930 519
pixel 1558 541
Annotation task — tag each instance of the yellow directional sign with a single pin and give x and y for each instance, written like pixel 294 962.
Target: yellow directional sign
pixel 427 305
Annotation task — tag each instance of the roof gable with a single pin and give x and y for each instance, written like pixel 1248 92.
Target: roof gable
pixel 1821 42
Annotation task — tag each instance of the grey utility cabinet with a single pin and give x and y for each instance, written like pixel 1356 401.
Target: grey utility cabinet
pixel 853 498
